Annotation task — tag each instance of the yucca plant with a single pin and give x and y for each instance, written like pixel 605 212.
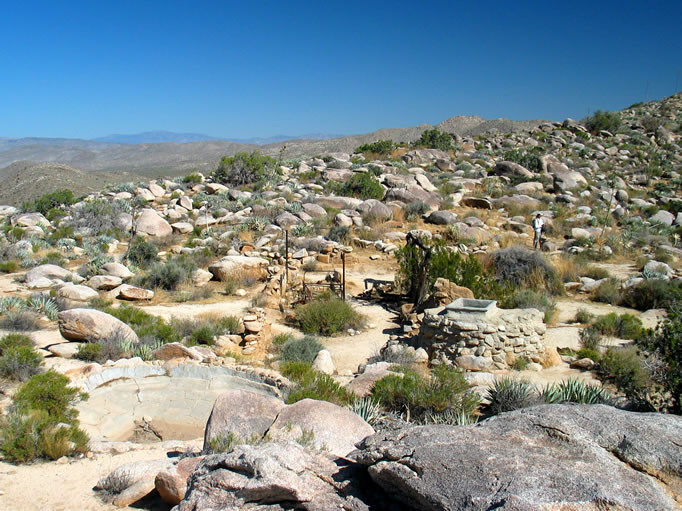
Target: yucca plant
pixel 367 408
pixel 575 391
pixel 509 394
pixel 11 304
pixel 44 305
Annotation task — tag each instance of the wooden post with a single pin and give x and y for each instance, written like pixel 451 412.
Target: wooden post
pixel 286 255
pixel 343 276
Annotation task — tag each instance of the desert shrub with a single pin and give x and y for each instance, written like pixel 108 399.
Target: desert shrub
pixel 322 387
pixel 602 120
pixel 652 294
pixel 584 316
pixel 625 368
pixel 20 363
pixel 363 186
pixel 300 350
pixel 665 343
pixel 592 354
pixel 608 292
pixel 48 201
pixel 595 272
pixel 296 370
pixel 10 341
pixel 378 147
pixel 508 394
pixel 241 278
pixel 202 335
pixel 243 168
pixel 170 274
pixel 144 324
pixel 193 178
pixel 142 253
pixel 624 326
pixel 576 391
pixel 339 233
pixel 415 210
pixel 529 299
pixel 42 407
pixel 421 397
pixel 281 338
pixel 20 321
pixel 48 392
pixel 435 139
pixel 529 159
pixel 448 264
pixel 90 352
pixel 9 266
pixel 226 442
pixel 590 338
pixel 520 363
pixel 521 267
pixel 327 315
pixel 99 216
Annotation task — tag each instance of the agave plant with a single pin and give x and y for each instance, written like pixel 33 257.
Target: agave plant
pixel 301 230
pixel 44 305
pixel 451 417
pixel 576 391
pixel 509 394
pixel 367 408
pixel 11 304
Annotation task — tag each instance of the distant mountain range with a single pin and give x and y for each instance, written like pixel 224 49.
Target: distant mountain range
pixel 163 137
pixel 30 166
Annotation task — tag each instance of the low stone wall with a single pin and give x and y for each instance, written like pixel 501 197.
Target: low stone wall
pixel 483 343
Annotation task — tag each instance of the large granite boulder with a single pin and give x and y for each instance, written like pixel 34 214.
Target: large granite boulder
pixel 92 325
pixel 577 457
pixel 333 428
pixel 241 412
pixel 223 268
pixel 150 223
pixel 265 476
pixel 509 168
pixel 132 481
pixel 442 218
pixel 77 292
pixel 50 272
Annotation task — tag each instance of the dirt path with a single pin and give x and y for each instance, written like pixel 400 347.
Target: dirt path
pixel 66 487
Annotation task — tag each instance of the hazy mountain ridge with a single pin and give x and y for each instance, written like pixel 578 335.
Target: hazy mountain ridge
pixel 176 158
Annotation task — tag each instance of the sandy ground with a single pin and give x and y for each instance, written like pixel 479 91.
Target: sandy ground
pixel 51 486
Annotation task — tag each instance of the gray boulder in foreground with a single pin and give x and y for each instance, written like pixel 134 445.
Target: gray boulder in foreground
pixel 551 457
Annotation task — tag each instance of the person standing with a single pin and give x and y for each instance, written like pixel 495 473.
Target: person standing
pixel 538 224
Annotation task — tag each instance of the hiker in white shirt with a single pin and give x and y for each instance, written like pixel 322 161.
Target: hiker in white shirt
pixel 538 224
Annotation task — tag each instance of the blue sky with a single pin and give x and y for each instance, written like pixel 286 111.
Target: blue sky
pixel 260 68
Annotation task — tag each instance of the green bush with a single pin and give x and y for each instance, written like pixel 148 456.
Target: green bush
pixel 144 324
pixel 90 352
pixel 142 253
pixel 20 363
pixel 590 353
pixel 48 392
pixel 363 186
pixel 193 178
pixel 665 343
pixel 15 341
pixel 423 398
pixel 311 384
pixel 584 316
pixel 415 210
pixel 435 139
pixel 602 120
pixel 529 299
pixel 626 369
pixel 508 394
pixel 281 339
pixel 170 274
pixel 595 272
pixel 608 292
pixel 652 294
pixel 327 315
pixel 49 201
pixel 42 420
pixel 300 350
pixel 243 168
pixel 378 147
pixel 529 159
pixel 9 266
pixel 624 326
pixel 202 335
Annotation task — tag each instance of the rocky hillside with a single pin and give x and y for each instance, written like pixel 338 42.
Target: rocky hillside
pixel 173 159
pixel 209 309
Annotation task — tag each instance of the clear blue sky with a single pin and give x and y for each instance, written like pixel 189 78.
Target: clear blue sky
pixel 260 68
